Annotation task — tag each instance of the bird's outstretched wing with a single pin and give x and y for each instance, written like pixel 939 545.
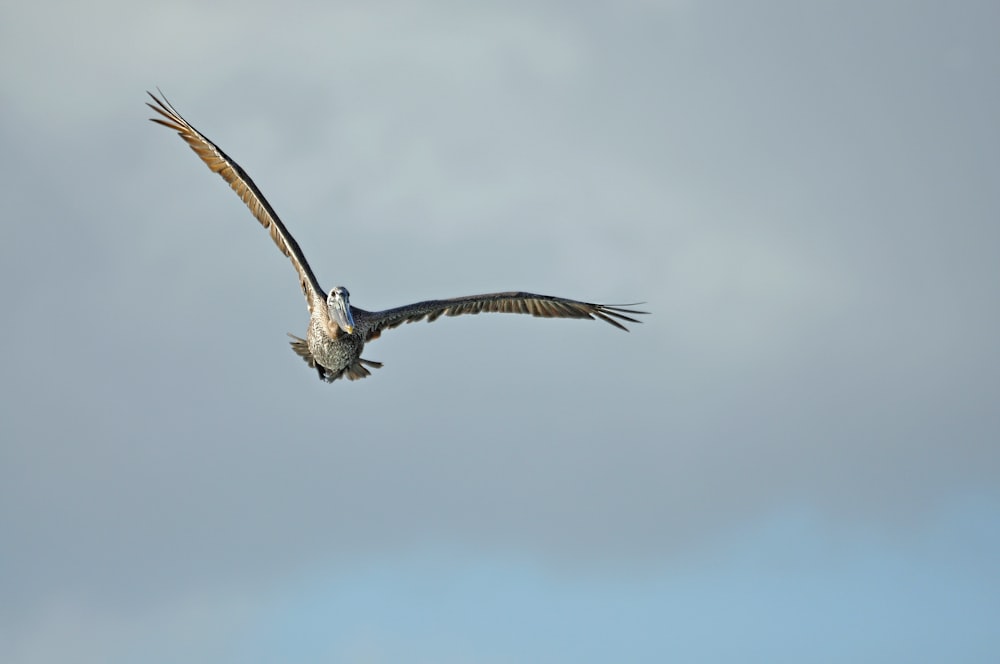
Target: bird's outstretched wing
pixel 372 323
pixel 219 162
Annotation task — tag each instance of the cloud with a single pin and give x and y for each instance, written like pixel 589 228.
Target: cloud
pixel 823 322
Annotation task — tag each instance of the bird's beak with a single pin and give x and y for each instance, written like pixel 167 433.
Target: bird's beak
pixel 340 311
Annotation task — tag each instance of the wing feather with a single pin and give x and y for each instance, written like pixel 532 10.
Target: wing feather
pixel 372 323
pixel 219 162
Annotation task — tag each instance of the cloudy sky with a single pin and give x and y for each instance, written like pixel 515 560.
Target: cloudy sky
pixel 795 457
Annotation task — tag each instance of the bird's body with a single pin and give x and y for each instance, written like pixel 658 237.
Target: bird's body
pixel 338 331
pixel 331 353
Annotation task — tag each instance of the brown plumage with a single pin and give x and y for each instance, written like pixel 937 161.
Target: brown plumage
pixel 337 330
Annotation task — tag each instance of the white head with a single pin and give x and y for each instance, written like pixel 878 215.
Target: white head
pixel 339 305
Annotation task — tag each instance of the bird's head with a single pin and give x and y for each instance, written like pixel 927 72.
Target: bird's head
pixel 339 305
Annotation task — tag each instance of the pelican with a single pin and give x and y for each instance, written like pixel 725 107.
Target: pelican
pixel 338 331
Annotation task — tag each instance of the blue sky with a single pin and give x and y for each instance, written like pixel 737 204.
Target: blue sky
pixel 794 458
pixel 784 589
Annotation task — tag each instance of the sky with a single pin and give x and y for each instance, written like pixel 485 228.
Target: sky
pixel 795 457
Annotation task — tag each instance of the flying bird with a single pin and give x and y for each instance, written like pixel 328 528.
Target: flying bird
pixel 338 331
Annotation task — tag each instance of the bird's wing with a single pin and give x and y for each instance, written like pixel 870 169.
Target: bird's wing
pixel 219 162
pixel 372 323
